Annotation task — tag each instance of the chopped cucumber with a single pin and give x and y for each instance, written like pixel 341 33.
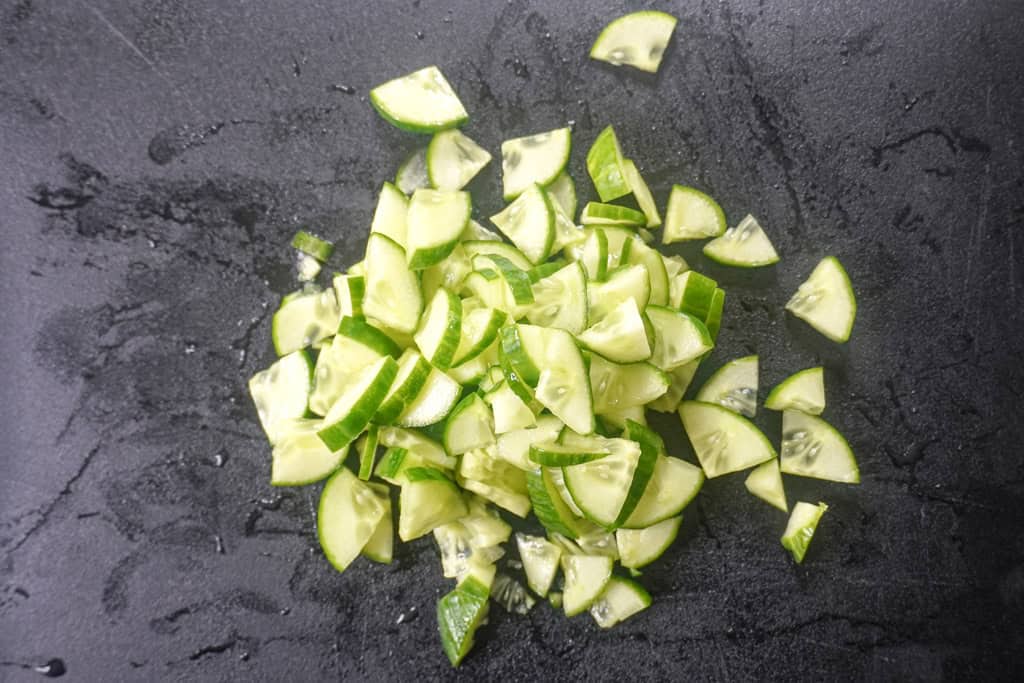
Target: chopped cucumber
pixel 421 102
pixel 389 218
pixel 428 500
pixel 641 193
pixel 529 222
pixel 803 522
pixel 678 338
pixel 733 386
pixel 713 321
pixel 357 345
pixel 803 391
pixel 381 546
pixel 540 561
pixel 560 300
pixel 356 406
pixel 765 482
pixel 621 599
pixel 477 247
pixel 510 412
pixel 745 246
pixel 812 447
pixel 826 301
pixel 480 328
pixel 418 444
pixel 616 386
pixel 640 547
pixel 470 425
pixel 639 253
pixel 672 486
pixel 560 455
pixel 476 232
pixel 601 488
pixel 724 441
pixel 585 578
pixel 281 393
pixel 413 370
pixel 611 214
pixel 563 191
pixel 349 513
pixel 312 245
pixel 435 222
pixel 393 295
pixel 412 174
pixel 691 293
pixel 691 215
pixel 604 164
pixel 534 159
pixel 622 283
pixel 548 504
pixel 349 290
pixel 440 329
pixel 593 255
pixel 514 446
pixel 680 379
pixel 638 40
pixel 303 319
pixel 621 336
pixel 300 457
pixel 459 614
pixel 453 159
pixel 435 400
pixel 511 595
pixel 367 448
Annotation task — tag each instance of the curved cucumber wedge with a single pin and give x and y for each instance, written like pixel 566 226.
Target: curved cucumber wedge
pixel 348 514
pixel 470 425
pixel 357 345
pixel 604 164
pixel 642 193
pixel 393 295
pixel 459 614
pixel 745 246
pixel 724 441
pixel 585 579
pixel 477 247
pixel 621 336
pixel 300 457
pixel 691 215
pixel 476 232
pixel 435 400
pixel 510 412
pixel 417 444
pixel 281 393
pixel 551 510
pixel 381 546
pixel 453 159
pixel 621 599
pixel 602 487
pixel 563 386
pixel 428 500
pixel 638 40
pixel 534 159
pixel 440 329
pixel 617 386
pixel 812 447
pixel 413 370
pixel 540 561
pixel 803 521
pixel 713 321
pixel 529 222
pixel 678 338
pixel 672 486
pixel 497 481
pixel 680 379
pixel 803 391
pixel 303 319
pixel 733 386
pixel 367 449
pixel 550 454
pixel 435 222
pixel 622 283
pixel 421 102
pixel 514 446
pixel 826 301
pixel 349 290
pixel 560 300
pixel 312 245
pixel 389 218
pixel 356 406
pixel 563 191
pixel 691 293
pixel 639 547
pixel 597 213
pixel 765 482
pixel 639 253
pixel 480 328
pixel 412 174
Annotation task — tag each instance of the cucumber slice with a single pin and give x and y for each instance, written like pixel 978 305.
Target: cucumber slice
pixel 510 412
pixel 492 290
pixel 638 40
pixel 389 218
pixel 300 457
pixel 428 500
pixel 529 222
pixel 692 293
pixel 540 559
pixel 348 291
pixel 480 328
pixel 306 267
pixel 639 253
pixel 560 300
pixel 303 319
pixel 765 482
pixel 618 238
pixel 484 525
pixel 623 283
pixel 678 338
pixel 803 521
pixel 621 336
pixel 393 295
pixel 601 488
pixel 472 371
pixel 520 364
pixel 559 455
pixel 674 265
pixel 470 425
pixel 518 280
pixel 421 102
pixel 613 420
pixel 434 402
pixel 713 321
pixel 348 514
pixel 543 270
pixel 281 393
pixel 440 329
pixel 723 440
pixel 511 595
pixel 453 159
pixel 733 386
pixel 417 444
pixel 380 548
pixel 745 246
pixel 562 190
pixel 594 255
pixel 459 614
pixel 639 547
pixel 357 345
pixel 651 450
pixel 803 391
pixel 413 370
pixel 356 406
pixel 461 552
pixel 534 159
pixel 585 577
pixel 450 273
pixel 514 447
pixel 367 447
pixel 435 222
pixel 616 386
pixel 604 164
pixel 641 193
pixel 812 447
pixel 564 386
pixel 680 379
pixel 826 301
pixel 672 486
pixel 312 245
pixel 475 232
pixel 691 215
pixel 621 599
pixel 597 213
pixel 412 174
pixel 549 507
pixel 494 479
pixel 557 477
pixel 393 464
pixel 516 503
pixel 478 247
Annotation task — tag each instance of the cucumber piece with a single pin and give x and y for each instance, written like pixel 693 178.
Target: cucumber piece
pixel 621 599
pixel 745 246
pixel 551 454
pixel 412 174
pixel 470 425
pixel 348 514
pixel 621 336
pixel 516 503
pixel 514 446
pixel 613 420
pixel 618 386
pixel 765 482
pixel 623 283
pixel 733 386
pixel 812 447
pixel 713 321
pixel 529 222
pixel 568 235
pixel 585 578
pixel 651 450
pixel 691 215
pixel 417 444
pixel 723 440
pixel 618 238
pixel 434 402
pixel 639 547
pixel 306 267
pixel 312 245
pixel 639 253
pixel 354 409
pixel 475 232
pixel 803 391
pixel 540 559
pixel 534 159
pixel 543 270
pixel 453 159
pixel 826 301
pixel 395 461
pixel 594 255
pixel 560 300
pixel 303 319
pixel 435 221
pixel 602 488
pixel 420 102
pixel 803 522
pixel 674 265
pixel 511 595
pixel 357 345
pixel 678 338
pixel 480 327
pixel 381 546
pixel 492 290
pixel 459 614
pixel 413 370
pixel 597 213
pixel 450 273
pixel 562 190
pixel 548 505
pixel 638 39
pixel 472 541
pixel 604 164
pixel 390 216
pixel 504 485
pixel 485 526
pixel 300 457
pixel 564 386
pixel 521 367
pixel 680 379
pixel 672 486
pixel 641 193
pixel 393 295
pixel 428 500
pixel 557 477
pixel 349 291
pixel 472 371
pixel 367 446
pixel 510 412
pixel 477 247
pixel 692 293
pixel 440 329
pixel 281 393
pixel 518 280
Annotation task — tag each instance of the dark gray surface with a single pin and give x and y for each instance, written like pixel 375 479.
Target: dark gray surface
pixel 156 157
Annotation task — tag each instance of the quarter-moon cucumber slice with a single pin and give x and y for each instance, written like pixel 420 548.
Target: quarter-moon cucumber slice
pixel 585 578
pixel 765 482
pixel 803 391
pixel 428 500
pixel 440 329
pixel 800 530
pixel 560 300
pixel 540 561
pixel 413 370
pixel 459 614
pixel 303 319
pixel 529 222
pixel 434 402
pixel 604 164
pixel 281 392
pixel 640 547
pixel 563 190
pixel 393 295
pixel 745 246
pixel 826 301
pixel 534 159
pixel 680 379
pixel 638 40
pixel 380 547
pixel 349 512
pixel 300 457
pixel 412 174
pixel 470 425
pixel 636 252
pixel 624 385
pixel 691 215
pixel 678 338
pixel 357 345
pixel 733 386
pixel 356 406
pixel 435 221
pixel 514 446
pixel 812 447
pixel 673 485
pixel 642 193
pixel 602 487
pixel 620 599
pixel 621 336
pixel 421 102
pixel 611 214
pixel 389 218
pixel 724 441
pixel 624 282
pixel 453 159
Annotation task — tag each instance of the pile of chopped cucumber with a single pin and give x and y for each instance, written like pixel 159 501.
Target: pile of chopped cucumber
pixel 474 374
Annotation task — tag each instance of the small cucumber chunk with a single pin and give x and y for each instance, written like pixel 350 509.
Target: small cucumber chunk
pixel 585 577
pixel 640 547
pixel 534 159
pixel 453 159
pixel 733 386
pixel 800 530
pixel 389 218
pixel 540 559
pixel 358 403
pixel 349 513
pixel 691 215
pixel 812 447
pixel 803 391
pixel 605 166
pixel 435 222
pixel 745 246
pixel 304 318
pixel 724 441
pixel 826 301
pixel 421 102
pixel 765 482
pixel 281 393
pixel 459 614
pixel 638 40
pixel 428 500
pixel 529 222
pixel 621 599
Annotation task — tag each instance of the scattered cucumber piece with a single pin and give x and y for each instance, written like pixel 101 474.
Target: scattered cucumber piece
pixel 691 293
pixel 680 379
pixel 826 301
pixel 459 614
pixel 511 595
pixel 621 336
pixel 621 599
pixel 367 447
pixel 604 164
pixel 713 321
pixel 312 245
pixel 691 215
pixel 639 547
pixel 724 441
pixel 440 329
pixel 300 457
pixel 514 446
pixel 585 579
pixel 435 222
pixel 803 391
pixel 624 385
pixel 413 370
pixel 510 412
pixel 380 548
pixel 354 409
pixel 357 345
pixel 390 216
pixel 611 214
pixel 642 193
pixel 812 447
pixel 487 247
pixel 540 559
pixel 765 482
pixel 803 522
pixel 534 159
pixel 678 338
pixel 416 443
pixel 529 222
pixel 548 504
pixel 480 328
pixel 349 512
pixel 638 40
pixel 733 386
pixel 623 283
pixel 281 393
pixel 393 295
pixel 421 102
pixel 304 318
pixel 428 500
pixel 560 300
pixel 745 246
pixel 453 159
pixel 412 174
pixel 470 425
pixel 349 291
pixel 602 487
pixel 672 486
pixel 435 400
pixel 636 252
pixel 563 191
pixel 550 454
pixel 593 255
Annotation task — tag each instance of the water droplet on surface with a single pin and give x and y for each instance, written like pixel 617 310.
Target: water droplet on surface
pixel 220 544
pixel 190 348
pixel 419 35
pixel 244 657
pixel 220 458
pixel 341 87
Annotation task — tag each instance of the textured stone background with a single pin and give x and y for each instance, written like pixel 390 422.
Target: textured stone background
pixel 157 156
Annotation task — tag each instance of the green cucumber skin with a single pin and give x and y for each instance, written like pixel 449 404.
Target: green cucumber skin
pixel 344 432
